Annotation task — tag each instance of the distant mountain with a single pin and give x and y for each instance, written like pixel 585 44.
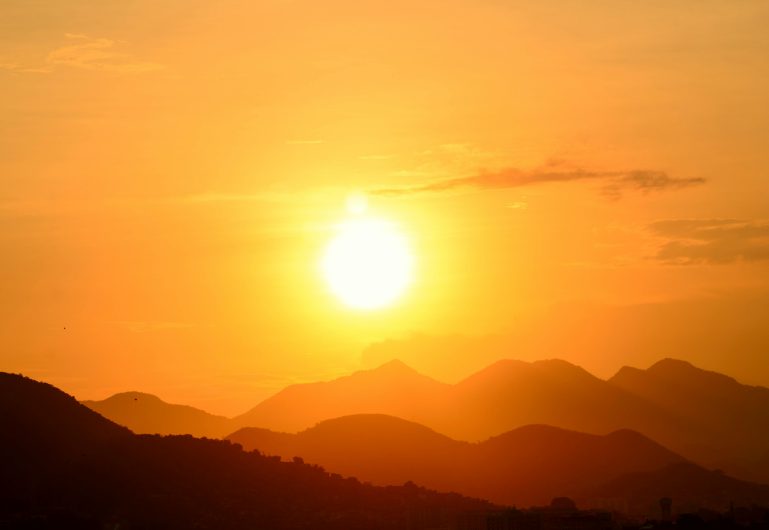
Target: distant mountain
pixel 64 466
pixel 732 419
pixel 527 466
pixel 393 389
pixel 505 395
pixel 707 417
pixel 511 393
pixel 148 414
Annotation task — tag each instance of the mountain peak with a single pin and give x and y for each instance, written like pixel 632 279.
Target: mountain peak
pixel 676 368
pixel 134 396
pixel 147 413
pixel 368 424
pixel 669 364
pixel 562 366
pixel 553 368
pixel 392 372
pixel 393 369
pixel 667 367
pixel 395 366
pixel 501 366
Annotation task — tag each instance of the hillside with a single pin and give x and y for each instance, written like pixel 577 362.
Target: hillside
pixel 527 466
pixel 706 417
pixel 733 418
pixel 71 468
pixel 503 396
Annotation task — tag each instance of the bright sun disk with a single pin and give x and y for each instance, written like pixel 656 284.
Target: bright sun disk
pixel 368 264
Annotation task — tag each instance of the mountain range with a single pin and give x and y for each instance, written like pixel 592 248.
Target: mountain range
pixel 66 467
pixel 527 466
pixel 706 417
pixel 727 422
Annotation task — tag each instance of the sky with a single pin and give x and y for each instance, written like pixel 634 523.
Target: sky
pixel 577 179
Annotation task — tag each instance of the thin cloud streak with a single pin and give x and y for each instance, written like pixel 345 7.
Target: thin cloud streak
pixel 712 241
pixel 86 53
pixel 615 183
pixel 89 53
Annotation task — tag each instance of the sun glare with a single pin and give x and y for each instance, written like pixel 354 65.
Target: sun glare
pixel 368 264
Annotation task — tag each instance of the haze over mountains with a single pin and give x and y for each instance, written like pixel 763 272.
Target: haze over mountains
pixel 706 417
pixel 527 466
pixel 393 389
pixel 732 418
pixel 72 468
pixel 64 452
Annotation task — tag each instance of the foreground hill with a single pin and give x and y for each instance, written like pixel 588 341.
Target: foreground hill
pixel 527 466
pixel 44 429
pixel 64 466
pixel 148 414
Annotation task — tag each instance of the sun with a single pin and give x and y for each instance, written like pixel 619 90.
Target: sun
pixel 368 264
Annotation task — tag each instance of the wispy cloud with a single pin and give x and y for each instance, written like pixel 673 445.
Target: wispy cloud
pixel 613 183
pixel 90 53
pixel 87 53
pixel 712 241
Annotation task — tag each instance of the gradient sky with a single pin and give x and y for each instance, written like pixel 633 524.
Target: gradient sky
pixel 578 179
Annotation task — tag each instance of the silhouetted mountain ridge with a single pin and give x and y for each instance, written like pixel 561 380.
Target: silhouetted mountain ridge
pixel 708 417
pixel 732 419
pixel 38 437
pixel 526 466
pixel 71 468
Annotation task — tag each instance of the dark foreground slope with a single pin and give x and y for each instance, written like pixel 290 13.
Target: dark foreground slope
pixel 64 466
pixel 525 467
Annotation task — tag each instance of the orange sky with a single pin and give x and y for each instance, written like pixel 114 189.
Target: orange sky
pixel 578 179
